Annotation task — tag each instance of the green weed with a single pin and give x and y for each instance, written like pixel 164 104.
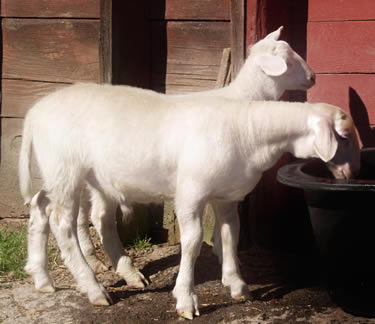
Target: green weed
pixel 13 253
pixel 141 243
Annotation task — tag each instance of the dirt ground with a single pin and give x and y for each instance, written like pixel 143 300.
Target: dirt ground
pixel 284 290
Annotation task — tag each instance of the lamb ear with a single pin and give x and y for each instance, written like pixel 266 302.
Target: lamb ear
pixel 271 65
pixel 275 35
pixel 325 143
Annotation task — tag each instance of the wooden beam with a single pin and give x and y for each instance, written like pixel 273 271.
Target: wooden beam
pixel 237 35
pixel 251 21
pixel 186 54
pixel 105 46
pixel 224 75
pixel 52 50
pixel 190 10
pixel 19 95
pixel 50 8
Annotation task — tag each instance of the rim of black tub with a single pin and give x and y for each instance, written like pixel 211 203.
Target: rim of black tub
pixel 295 175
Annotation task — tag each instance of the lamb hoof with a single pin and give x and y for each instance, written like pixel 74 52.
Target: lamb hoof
pixel 95 264
pixel 140 282
pixel 99 267
pixel 243 297
pixel 102 301
pixel 46 289
pixel 185 314
pixel 188 314
pixel 100 298
pixel 137 284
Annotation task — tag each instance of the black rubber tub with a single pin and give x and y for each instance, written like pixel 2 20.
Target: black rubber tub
pixel 342 214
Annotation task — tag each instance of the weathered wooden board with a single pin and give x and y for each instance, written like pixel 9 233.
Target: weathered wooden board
pixel 50 8
pixel 190 59
pixel 184 88
pixel 352 92
pixel 341 47
pixel 19 95
pixel 51 50
pixel 198 36
pixel 238 41
pixel 338 10
pixel 251 22
pixel 190 10
pixel 11 203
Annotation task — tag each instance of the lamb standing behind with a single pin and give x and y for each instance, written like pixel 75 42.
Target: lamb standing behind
pixel 271 68
pixel 191 149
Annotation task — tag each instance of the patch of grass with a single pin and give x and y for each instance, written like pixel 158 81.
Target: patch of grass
pixel 141 243
pixel 13 253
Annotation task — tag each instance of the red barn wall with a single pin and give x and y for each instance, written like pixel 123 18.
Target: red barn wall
pixel 341 50
pixel 276 215
pixel 336 38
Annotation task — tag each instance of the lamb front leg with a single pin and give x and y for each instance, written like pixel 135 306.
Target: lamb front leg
pixel 217 249
pixel 189 215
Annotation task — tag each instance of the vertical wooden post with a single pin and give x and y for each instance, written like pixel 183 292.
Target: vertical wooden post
pixel 237 35
pixel 105 46
pixel 251 21
pixel 238 39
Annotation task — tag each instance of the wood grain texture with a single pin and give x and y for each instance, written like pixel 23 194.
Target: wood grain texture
pixel 237 35
pixel 51 50
pixel 251 21
pixel 11 202
pixel 224 76
pixel 50 8
pixel 190 10
pixel 106 41
pixel 338 10
pixel 341 47
pixel 190 59
pixel 19 95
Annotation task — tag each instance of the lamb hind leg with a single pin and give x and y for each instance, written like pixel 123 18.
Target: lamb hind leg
pixel 229 225
pixel 83 233
pixel 217 249
pixel 37 243
pixel 63 222
pixel 103 216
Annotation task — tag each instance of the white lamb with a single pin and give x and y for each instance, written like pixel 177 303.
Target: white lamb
pixel 271 68
pixel 132 145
